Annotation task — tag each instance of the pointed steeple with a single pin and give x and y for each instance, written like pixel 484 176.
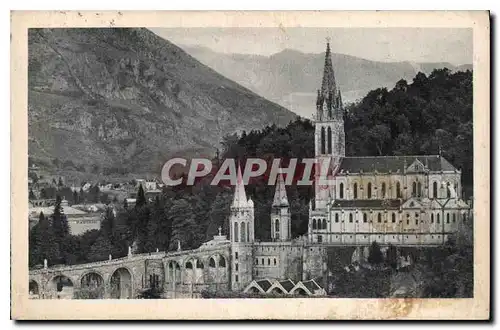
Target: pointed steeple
pixel 240 197
pixel 280 198
pixel 328 84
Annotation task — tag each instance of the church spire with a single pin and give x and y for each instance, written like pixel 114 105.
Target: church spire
pixel 328 84
pixel 240 197
pixel 280 198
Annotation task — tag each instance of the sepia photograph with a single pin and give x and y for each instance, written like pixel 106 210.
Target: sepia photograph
pixel 256 163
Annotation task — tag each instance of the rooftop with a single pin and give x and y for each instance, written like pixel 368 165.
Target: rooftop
pixel 393 163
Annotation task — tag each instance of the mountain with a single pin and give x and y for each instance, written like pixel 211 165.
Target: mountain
pixel 290 77
pixel 107 100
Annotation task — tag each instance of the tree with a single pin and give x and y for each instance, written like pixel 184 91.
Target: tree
pixel 392 256
pixel 375 256
pixel 60 183
pixel 75 197
pixel 31 195
pixel 101 249
pixel 42 243
pixel 59 225
pixel 141 197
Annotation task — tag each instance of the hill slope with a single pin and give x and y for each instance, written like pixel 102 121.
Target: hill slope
pixel 126 99
pixel 290 77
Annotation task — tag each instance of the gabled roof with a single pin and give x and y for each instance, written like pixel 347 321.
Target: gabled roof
pixel 384 164
pixel 240 197
pixel 311 285
pixel 412 203
pixel 287 284
pixel 265 284
pixel 360 203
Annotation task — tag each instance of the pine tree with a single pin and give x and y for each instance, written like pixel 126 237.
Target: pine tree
pixel 42 243
pixel 108 223
pixel 392 256
pixel 75 197
pixel 60 225
pixel 141 197
pixel 375 255
pixel 60 183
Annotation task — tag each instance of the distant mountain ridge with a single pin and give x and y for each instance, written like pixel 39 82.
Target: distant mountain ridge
pixel 290 77
pixel 126 100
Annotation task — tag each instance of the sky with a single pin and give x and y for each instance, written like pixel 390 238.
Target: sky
pixel 377 44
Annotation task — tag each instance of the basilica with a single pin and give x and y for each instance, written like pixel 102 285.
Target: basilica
pixel 399 200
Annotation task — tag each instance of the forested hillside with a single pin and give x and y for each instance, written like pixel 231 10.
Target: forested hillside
pixel 421 117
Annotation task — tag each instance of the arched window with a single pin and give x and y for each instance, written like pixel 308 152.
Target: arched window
pixel 355 190
pixel 323 151
pixel 419 189
pixel 438 218
pixel 369 190
pixel 211 263
pixel 393 218
pixel 379 217
pixel 447 218
pixel 350 217
pixel 199 264
pixel 275 261
pixel 314 223
pixel 242 232
pixel 277 225
pixel 324 223
pixel 336 217
pixel 365 218
pixel 448 191
pixel 432 218
pixel 329 136
pixel 454 218
pixel 414 190
pixel 268 261
pixel 248 232
pixel 222 261
pixel 435 190
pixel 383 190
pixel 398 190
pixel 236 232
pixel 341 192
pixel 407 218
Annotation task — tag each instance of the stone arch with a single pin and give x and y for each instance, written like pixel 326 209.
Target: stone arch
pixel 314 223
pixel 61 286
pixel 174 271
pixel 121 283
pixel 324 224
pixel 93 282
pixel 193 273
pixel 34 287
pixel 212 263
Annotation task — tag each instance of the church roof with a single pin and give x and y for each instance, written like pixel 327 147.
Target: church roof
pixel 280 198
pixel 372 203
pixel 393 163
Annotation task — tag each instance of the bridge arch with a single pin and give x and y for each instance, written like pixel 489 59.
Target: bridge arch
pixel 121 283
pixel 174 271
pixel 61 287
pixel 193 270
pixel 34 287
pixel 92 282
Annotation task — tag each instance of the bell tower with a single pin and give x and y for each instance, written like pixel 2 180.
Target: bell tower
pixel 329 139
